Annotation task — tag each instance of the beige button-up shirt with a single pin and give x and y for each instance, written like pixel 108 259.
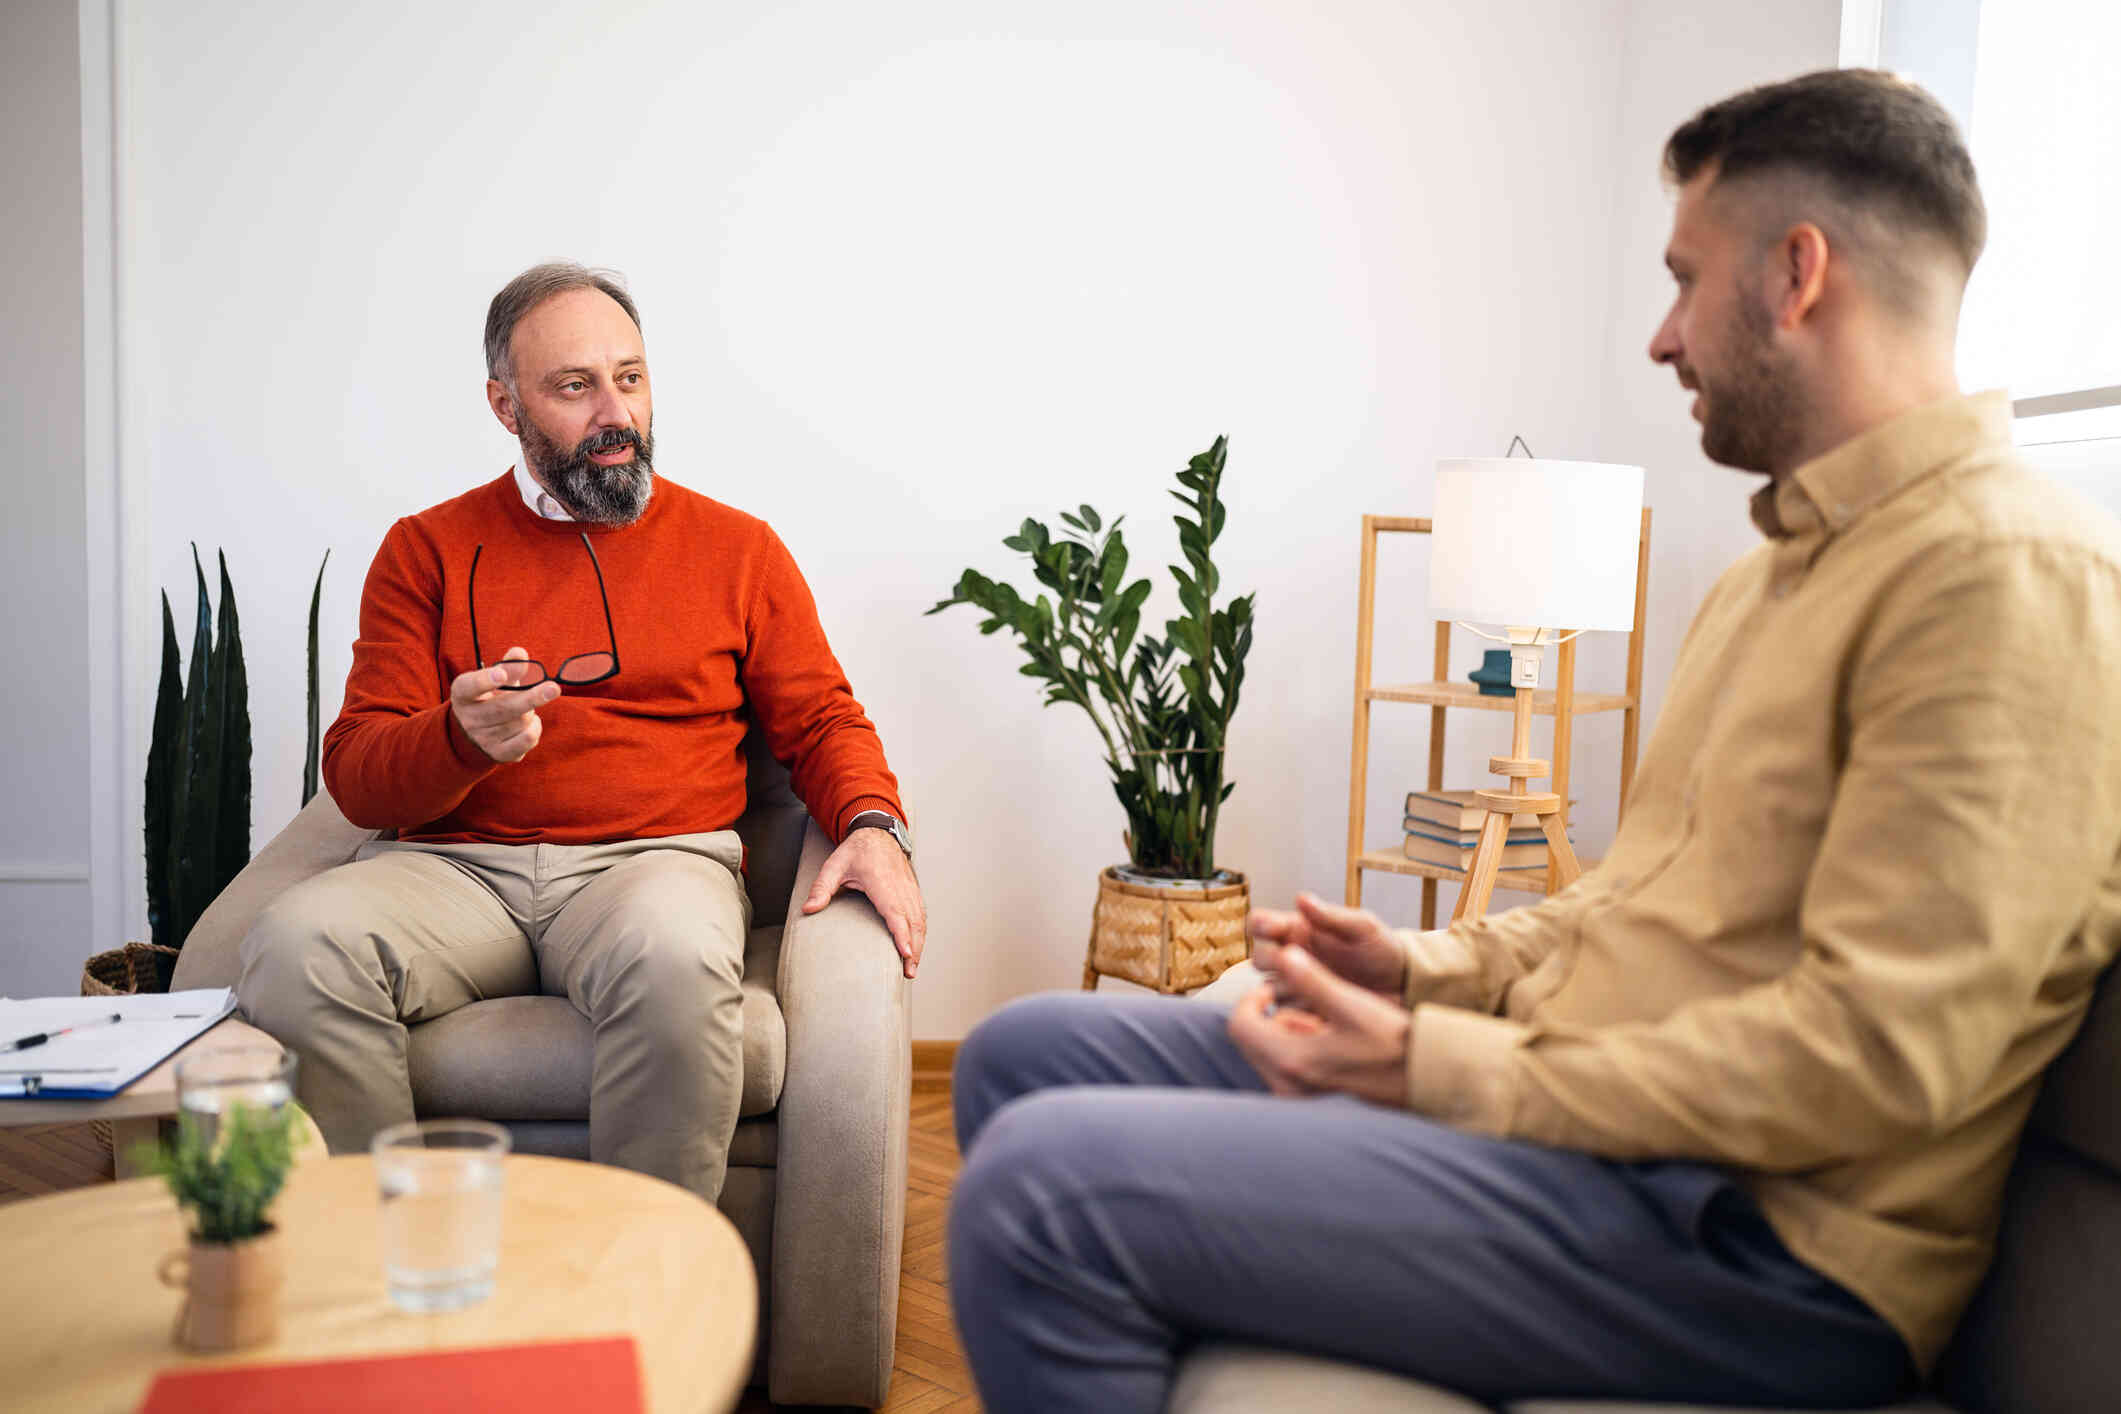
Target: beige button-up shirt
pixel 1869 874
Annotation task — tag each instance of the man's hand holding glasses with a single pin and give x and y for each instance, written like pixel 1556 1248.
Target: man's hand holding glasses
pixel 494 709
pixel 497 705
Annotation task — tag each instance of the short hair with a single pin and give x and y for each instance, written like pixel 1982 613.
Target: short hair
pixel 1879 143
pixel 532 288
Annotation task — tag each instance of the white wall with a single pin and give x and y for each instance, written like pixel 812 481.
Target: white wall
pixel 1674 57
pixel 1678 57
pixel 44 642
pixel 907 276
pixel 907 279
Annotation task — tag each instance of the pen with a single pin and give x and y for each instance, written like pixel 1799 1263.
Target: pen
pixel 38 1038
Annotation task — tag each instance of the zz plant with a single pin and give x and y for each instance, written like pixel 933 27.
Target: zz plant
pixel 1162 706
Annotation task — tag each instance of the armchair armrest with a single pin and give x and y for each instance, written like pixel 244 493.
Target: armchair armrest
pixel 317 839
pixel 840 1195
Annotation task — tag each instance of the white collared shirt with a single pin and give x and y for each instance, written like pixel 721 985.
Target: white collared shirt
pixel 536 497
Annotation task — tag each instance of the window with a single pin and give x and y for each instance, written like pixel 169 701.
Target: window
pixel 2030 82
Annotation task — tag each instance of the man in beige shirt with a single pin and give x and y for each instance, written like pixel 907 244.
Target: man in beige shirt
pixel 1730 1118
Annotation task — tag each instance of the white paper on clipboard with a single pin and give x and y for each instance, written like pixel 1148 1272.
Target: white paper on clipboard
pixel 101 1060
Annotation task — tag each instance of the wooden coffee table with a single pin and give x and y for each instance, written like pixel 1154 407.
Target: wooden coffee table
pixel 586 1250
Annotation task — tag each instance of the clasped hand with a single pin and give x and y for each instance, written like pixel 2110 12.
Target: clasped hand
pixel 1328 1018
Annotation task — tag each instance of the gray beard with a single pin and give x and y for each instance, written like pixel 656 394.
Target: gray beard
pixel 599 495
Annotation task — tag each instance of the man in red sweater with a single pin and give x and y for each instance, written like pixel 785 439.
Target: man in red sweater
pixel 646 628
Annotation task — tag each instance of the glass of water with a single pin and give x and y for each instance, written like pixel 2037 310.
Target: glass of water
pixel 261 1077
pixel 441 1224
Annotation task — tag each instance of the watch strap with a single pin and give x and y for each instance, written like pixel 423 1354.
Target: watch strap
pixel 884 820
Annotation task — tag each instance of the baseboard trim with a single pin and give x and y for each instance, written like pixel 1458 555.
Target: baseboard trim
pixel 30 871
pixel 932 1062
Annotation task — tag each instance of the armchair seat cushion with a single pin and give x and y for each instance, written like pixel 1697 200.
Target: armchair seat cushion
pixel 527 1058
pixel 1219 1378
pixel 1920 1405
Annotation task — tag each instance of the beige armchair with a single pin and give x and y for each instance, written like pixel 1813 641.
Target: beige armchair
pixel 817 1168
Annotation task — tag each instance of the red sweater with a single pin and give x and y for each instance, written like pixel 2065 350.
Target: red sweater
pixel 715 628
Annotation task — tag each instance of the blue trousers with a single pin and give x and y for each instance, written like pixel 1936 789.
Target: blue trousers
pixel 1131 1188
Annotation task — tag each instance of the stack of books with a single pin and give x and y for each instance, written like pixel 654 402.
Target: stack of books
pixel 1443 827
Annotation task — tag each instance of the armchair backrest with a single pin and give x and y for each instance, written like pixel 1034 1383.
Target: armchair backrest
pixel 772 830
pixel 2039 1334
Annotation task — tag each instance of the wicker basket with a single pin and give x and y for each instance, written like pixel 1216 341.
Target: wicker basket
pixel 124 971
pixel 1171 938
pixel 120 973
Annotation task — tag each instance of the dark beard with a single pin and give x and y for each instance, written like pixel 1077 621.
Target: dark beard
pixel 601 495
pixel 1752 417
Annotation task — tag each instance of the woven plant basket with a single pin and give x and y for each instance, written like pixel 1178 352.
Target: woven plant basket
pixel 123 971
pixel 1167 938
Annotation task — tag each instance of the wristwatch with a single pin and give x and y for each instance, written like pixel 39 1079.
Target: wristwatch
pixel 884 820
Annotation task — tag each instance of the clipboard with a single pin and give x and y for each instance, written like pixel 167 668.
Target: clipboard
pixel 98 1063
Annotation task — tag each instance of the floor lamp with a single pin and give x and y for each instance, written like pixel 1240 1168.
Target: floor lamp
pixel 1543 550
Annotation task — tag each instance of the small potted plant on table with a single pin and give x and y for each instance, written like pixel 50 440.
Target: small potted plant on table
pixel 227 1180
pixel 1168 918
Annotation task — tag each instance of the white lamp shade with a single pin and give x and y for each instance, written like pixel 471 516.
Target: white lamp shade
pixel 1522 543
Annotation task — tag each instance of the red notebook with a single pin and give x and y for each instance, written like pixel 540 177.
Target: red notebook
pixel 589 1376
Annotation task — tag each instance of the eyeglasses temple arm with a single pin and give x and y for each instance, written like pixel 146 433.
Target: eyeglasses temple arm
pixel 609 632
pixel 471 596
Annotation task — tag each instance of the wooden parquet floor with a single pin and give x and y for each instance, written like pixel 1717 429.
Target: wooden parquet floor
pixel 929 1374
pixel 50 1158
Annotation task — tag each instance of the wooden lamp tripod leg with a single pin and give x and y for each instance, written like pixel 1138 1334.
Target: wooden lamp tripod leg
pixel 1487 859
pixel 1090 952
pixel 1563 868
pixel 1504 806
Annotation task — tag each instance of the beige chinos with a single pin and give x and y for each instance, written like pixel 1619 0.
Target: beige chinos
pixel 644 937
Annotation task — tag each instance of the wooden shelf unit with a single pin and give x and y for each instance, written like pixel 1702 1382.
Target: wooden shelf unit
pixel 1392 861
pixel 1563 703
pixel 1466 694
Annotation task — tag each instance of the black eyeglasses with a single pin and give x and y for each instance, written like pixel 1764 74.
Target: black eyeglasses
pixel 580 670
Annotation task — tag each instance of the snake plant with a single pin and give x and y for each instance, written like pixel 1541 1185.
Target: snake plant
pixel 309 761
pixel 198 768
